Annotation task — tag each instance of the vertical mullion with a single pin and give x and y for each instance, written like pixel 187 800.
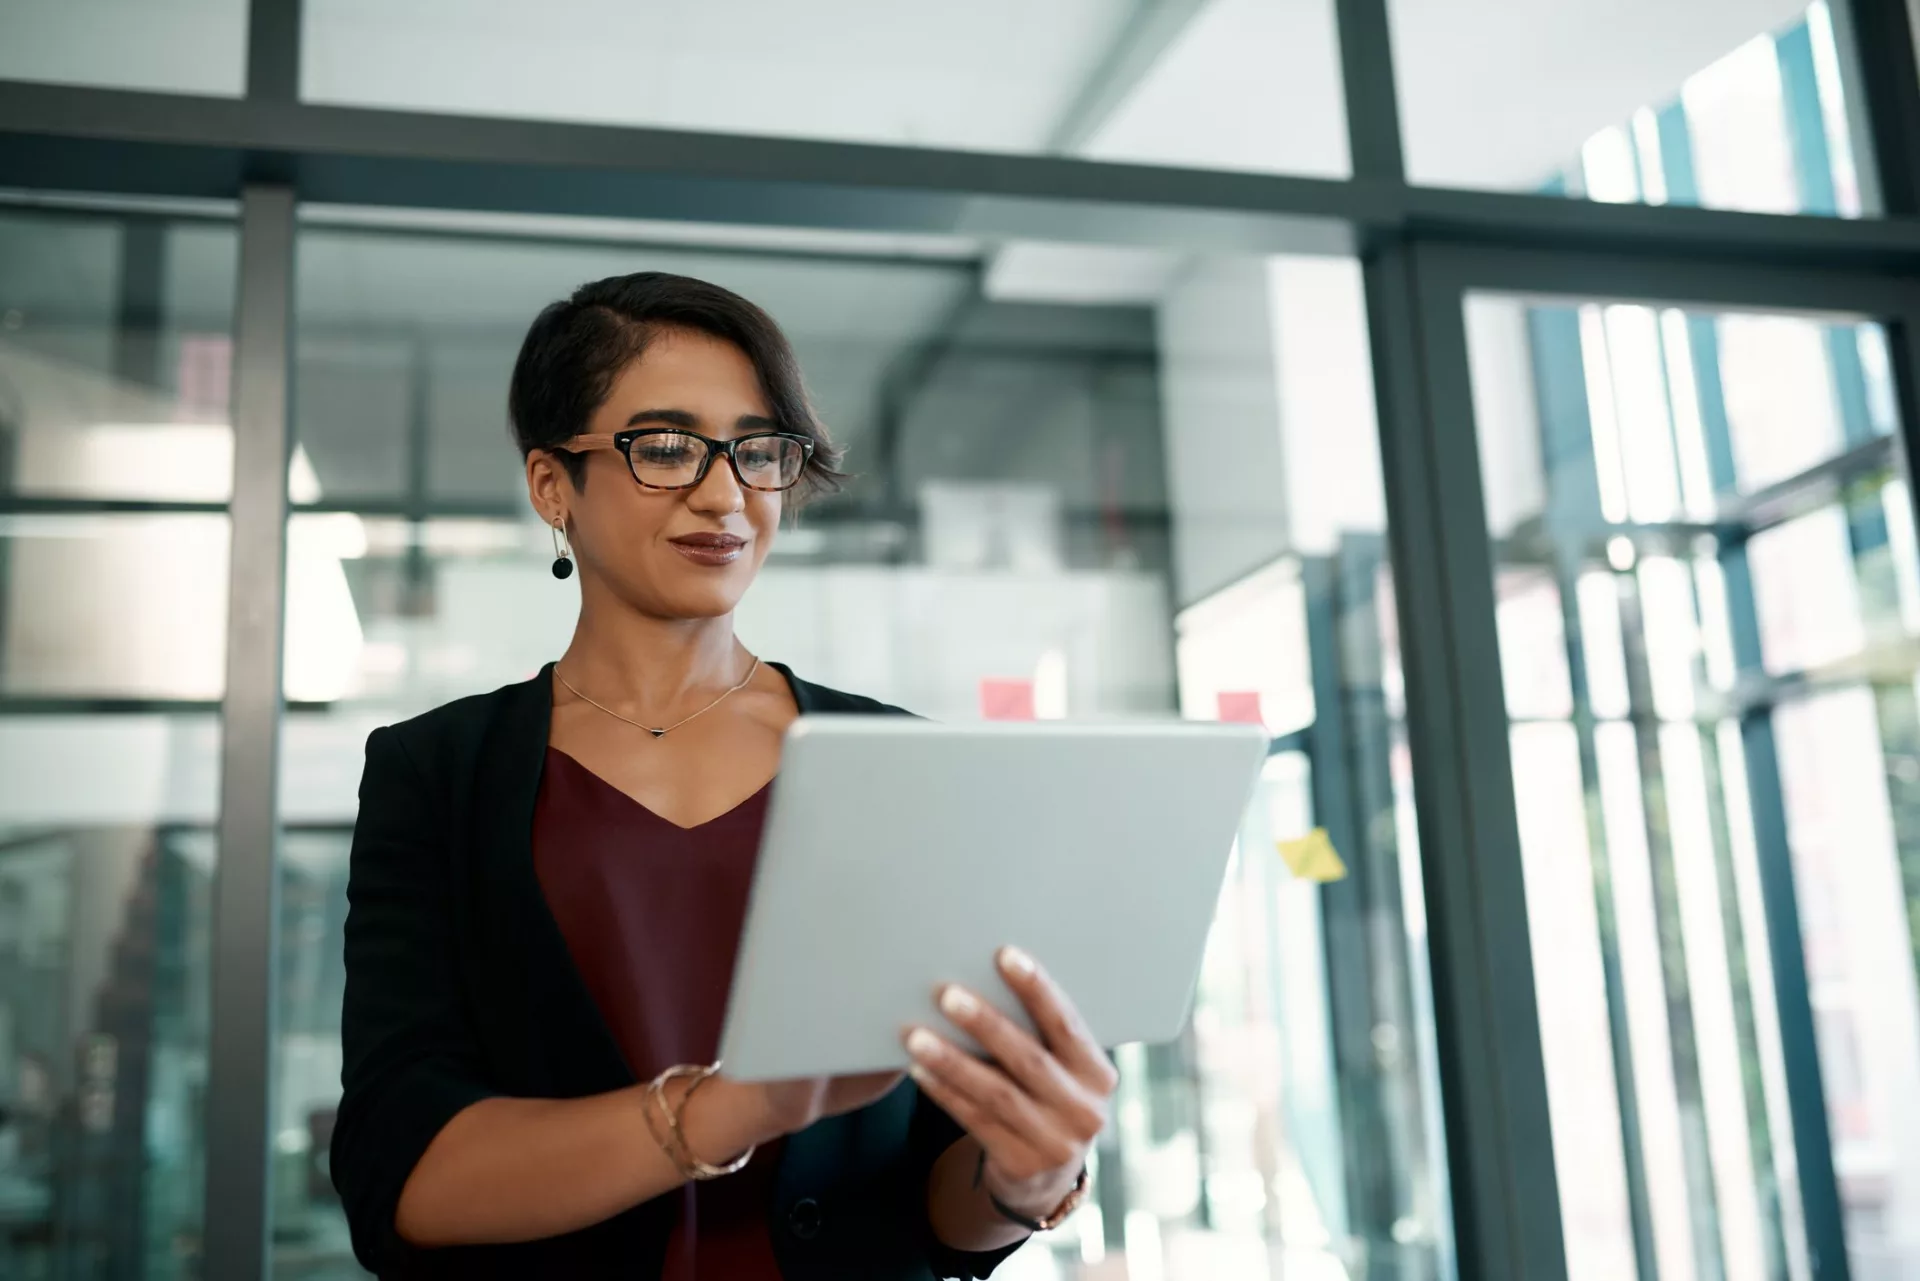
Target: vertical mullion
pixel 1372 1206
pixel 1702 1210
pixel 273 50
pixel 1876 44
pixel 1374 866
pixel 1499 1141
pixel 1372 97
pixel 1819 1190
pixel 1781 1240
pixel 245 909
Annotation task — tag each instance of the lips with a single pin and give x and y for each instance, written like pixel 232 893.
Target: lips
pixel 710 549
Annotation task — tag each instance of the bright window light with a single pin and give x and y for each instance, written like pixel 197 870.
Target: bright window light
pixel 1605 422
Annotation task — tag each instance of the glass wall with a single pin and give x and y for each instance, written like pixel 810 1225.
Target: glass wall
pixel 1729 104
pixel 1196 83
pixel 1036 494
pixel 1708 607
pixel 1091 480
pixel 114 461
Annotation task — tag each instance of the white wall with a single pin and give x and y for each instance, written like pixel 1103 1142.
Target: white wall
pixel 1220 397
pixel 1505 411
pixel 1328 425
pixel 926 638
pixel 920 638
pixel 1272 437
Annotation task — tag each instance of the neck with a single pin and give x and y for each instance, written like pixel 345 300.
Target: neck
pixel 622 656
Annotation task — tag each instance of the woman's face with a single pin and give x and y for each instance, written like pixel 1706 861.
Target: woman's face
pixel 686 553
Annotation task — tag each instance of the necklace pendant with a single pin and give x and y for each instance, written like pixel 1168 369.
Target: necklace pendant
pixel 655 732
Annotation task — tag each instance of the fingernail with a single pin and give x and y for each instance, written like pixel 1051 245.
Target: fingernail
pixel 919 1074
pixel 1016 962
pixel 923 1044
pixel 958 1003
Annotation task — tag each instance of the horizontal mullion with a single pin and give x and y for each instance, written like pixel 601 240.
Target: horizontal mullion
pixel 1888 665
pixel 181 145
pixel 323 130
pixel 1522 220
pixel 22 705
pixel 56 505
pixel 1813 488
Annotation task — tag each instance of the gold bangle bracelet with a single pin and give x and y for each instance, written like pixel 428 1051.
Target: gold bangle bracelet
pixel 665 1141
pixel 674 1142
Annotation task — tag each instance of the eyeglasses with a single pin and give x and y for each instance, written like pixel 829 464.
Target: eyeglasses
pixel 669 458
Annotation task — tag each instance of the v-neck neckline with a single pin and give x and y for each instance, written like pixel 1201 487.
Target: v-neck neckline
pixel 648 810
pixel 507 790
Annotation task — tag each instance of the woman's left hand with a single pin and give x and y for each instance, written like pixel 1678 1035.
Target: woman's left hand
pixel 1038 1106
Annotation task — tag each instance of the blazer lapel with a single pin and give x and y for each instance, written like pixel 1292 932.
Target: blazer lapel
pixel 806 696
pixel 549 1022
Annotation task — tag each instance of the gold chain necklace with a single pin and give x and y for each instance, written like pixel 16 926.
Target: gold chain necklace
pixel 661 730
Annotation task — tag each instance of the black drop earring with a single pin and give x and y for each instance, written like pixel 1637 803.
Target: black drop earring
pixel 562 553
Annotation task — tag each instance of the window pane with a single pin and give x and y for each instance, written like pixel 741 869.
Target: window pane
pixel 1033 501
pixel 115 356
pixel 1232 84
pixel 1664 481
pixel 174 46
pixel 107 606
pixel 1738 105
pixel 106 865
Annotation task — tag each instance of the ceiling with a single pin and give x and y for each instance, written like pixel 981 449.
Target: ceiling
pixel 1500 93
pixel 990 75
pixel 1494 93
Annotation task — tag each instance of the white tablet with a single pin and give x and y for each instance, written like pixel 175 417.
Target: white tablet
pixel 901 854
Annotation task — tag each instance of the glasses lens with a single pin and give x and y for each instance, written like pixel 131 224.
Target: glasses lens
pixel 668 459
pixel 770 462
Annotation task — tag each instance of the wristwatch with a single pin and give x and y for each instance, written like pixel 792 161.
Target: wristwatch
pixel 1061 1213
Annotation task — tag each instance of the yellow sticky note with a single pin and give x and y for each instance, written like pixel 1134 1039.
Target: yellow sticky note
pixel 1312 857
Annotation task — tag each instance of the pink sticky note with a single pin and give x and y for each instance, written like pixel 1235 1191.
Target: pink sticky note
pixel 1240 707
pixel 1006 700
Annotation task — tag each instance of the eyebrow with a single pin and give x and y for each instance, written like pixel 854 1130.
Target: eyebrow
pixel 681 418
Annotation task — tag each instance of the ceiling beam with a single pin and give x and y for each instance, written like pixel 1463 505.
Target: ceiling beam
pixel 1148 31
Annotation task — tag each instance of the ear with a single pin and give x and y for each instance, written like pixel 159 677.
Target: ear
pixel 549 487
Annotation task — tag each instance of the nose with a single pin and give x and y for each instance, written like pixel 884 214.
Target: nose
pixel 720 493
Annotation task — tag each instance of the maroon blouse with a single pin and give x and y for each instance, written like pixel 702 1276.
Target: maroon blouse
pixel 652 914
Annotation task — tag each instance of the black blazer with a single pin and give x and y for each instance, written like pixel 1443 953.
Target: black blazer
pixel 460 987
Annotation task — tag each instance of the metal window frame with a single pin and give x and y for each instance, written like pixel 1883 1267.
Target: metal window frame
pixel 1420 248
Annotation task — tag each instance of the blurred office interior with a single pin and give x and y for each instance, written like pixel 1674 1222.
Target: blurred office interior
pixel 1507 404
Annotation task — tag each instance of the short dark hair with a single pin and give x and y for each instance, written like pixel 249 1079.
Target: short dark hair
pixel 578 346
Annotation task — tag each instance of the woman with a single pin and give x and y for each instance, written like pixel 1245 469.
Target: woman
pixel 548 884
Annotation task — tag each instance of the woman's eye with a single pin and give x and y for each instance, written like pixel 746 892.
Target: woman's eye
pixel 665 454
